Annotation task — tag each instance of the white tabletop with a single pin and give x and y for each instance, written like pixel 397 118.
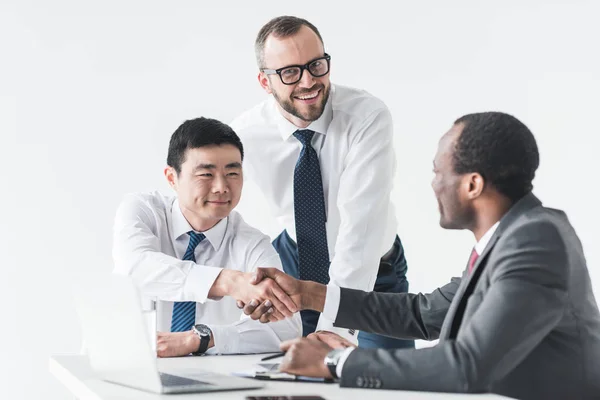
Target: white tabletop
pixel 74 372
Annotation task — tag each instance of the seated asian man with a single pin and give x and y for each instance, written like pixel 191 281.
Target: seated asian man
pixel 195 255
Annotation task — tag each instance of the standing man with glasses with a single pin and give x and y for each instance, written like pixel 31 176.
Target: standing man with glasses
pixel 323 156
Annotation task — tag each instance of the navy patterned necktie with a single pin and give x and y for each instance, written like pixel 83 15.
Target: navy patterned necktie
pixel 184 312
pixel 309 213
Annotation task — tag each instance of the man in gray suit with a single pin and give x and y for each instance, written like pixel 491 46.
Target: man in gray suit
pixel 521 322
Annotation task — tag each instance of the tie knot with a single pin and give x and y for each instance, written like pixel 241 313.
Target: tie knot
pixel 195 238
pixel 304 136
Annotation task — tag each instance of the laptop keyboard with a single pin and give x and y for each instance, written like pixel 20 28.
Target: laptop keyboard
pixel 169 380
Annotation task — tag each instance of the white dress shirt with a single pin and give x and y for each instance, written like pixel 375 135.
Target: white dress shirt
pixel 354 142
pixel 332 298
pixel 150 239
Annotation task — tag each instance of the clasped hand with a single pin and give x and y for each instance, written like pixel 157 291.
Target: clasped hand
pixel 272 282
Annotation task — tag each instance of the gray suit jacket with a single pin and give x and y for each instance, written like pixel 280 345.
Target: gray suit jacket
pixel 523 324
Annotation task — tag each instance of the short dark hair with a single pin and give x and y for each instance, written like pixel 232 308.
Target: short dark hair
pixel 500 148
pixel 196 133
pixel 280 27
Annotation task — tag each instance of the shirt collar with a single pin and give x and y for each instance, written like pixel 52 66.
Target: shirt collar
pixel 287 129
pixel 485 239
pixel 181 226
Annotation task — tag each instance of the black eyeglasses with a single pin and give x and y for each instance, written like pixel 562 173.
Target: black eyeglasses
pixel 293 73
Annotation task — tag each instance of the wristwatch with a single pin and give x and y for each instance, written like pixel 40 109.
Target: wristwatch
pixel 204 333
pixel 331 361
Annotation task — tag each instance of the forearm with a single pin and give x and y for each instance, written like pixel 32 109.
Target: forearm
pixel 410 369
pixel 226 283
pixel 401 315
pixel 164 277
pixel 313 295
pixel 357 257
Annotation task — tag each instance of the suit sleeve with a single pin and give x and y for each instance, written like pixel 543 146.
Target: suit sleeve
pixel 399 315
pixel 524 302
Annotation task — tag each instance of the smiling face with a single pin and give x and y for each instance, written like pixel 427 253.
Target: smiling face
pixel 304 101
pixel 209 185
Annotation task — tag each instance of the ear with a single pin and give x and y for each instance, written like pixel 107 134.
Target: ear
pixel 476 185
pixel 171 176
pixel 264 82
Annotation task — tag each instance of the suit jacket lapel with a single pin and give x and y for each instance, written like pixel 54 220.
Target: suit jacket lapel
pixel 468 282
pixel 455 312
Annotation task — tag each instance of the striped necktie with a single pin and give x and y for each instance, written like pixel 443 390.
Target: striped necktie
pixel 184 312
pixel 309 213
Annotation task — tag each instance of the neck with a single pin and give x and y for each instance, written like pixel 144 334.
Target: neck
pixel 299 123
pixel 493 211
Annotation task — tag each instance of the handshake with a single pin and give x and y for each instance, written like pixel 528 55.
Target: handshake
pixel 271 295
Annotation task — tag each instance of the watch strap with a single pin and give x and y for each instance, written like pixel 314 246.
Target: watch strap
pixel 204 341
pixel 331 361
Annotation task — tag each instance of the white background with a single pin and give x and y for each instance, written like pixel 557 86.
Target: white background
pixel 90 93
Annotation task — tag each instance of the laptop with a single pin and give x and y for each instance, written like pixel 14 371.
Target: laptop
pixel 119 347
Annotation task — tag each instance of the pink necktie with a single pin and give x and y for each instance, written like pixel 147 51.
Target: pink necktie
pixel 472 260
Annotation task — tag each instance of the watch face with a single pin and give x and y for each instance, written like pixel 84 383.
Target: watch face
pixel 203 330
pixel 334 355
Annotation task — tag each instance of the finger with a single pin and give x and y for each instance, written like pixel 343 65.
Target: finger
pixel 272 318
pixel 260 310
pixel 277 315
pixel 240 304
pixel 314 336
pixel 284 298
pixel 250 307
pixel 279 306
pixel 265 317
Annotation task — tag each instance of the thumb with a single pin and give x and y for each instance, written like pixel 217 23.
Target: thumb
pixel 270 272
pixel 258 276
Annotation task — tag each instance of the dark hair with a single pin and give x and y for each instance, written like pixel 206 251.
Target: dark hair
pixel 280 27
pixel 500 148
pixel 196 133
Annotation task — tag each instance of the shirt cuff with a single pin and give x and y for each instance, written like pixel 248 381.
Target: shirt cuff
pixel 332 302
pixel 340 366
pixel 223 339
pixel 199 281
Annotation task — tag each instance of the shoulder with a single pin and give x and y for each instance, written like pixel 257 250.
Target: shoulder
pixel 253 119
pixel 244 234
pixel 540 224
pixel 538 243
pixel 360 116
pixel 356 103
pixel 146 203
